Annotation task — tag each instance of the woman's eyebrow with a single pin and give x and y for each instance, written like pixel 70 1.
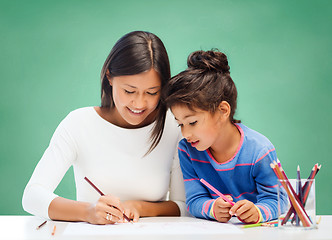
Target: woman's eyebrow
pixel 136 87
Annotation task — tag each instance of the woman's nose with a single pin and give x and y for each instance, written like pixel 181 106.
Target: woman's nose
pixel 139 102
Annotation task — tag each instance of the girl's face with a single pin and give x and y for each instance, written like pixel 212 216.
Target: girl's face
pixel 200 128
pixel 136 98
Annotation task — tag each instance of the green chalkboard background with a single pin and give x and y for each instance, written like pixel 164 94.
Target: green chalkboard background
pixel 280 54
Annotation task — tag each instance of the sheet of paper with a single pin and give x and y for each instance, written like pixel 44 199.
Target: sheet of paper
pixel 151 228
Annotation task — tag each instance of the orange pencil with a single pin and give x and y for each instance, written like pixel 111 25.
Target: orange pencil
pixel 54 228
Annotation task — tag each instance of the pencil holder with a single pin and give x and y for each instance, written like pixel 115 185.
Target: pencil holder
pixel 297 204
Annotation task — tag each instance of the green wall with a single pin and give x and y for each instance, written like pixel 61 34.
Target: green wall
pixel 279 53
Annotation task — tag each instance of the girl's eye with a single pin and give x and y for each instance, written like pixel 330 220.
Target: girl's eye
pixel 193 123
pixel 128 92
pixel 180 125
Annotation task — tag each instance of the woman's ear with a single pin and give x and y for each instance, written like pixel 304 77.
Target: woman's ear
pixel 225 109
pixel 109 78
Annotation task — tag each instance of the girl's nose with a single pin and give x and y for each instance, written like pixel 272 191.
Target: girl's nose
pixel 185 133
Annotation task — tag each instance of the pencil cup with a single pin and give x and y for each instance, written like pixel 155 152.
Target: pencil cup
pixel 297 204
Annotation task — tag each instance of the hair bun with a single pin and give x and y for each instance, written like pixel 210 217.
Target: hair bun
pixel 209 60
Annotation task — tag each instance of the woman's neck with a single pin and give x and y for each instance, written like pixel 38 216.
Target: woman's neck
pixel 227 145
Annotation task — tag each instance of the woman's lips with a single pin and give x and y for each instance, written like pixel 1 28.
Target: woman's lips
pixel 136 112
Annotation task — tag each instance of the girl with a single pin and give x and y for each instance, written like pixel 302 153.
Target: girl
pixel 125 147
pixel 218 148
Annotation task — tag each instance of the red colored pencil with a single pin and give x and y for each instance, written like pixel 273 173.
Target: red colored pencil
pixel 102 194
pixel 293 198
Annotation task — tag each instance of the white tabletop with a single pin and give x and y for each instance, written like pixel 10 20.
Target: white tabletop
pixel 24 227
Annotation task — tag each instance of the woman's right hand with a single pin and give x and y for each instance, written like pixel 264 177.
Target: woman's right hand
pixel 108 210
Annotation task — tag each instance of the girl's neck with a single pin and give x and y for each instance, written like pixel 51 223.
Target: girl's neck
pixel 226 146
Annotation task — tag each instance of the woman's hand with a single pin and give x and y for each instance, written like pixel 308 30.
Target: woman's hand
pixel 245 211
pixel 221 209
pixel 108 210
pixel 132 209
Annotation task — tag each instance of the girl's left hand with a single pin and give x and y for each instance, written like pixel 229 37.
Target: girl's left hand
pixel 245 211
pixel 131 209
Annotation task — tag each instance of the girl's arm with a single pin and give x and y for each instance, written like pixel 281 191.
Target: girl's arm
pixel 266 185
pixel 198 199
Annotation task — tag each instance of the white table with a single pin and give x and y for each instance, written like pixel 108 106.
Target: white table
pixel 24 227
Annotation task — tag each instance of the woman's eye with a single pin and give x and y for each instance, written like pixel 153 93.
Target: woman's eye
pixel 193 123
pixel 128 92
pixel 180 125
pixel 153 94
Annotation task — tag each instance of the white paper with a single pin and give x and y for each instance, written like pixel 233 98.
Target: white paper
pixel 153 228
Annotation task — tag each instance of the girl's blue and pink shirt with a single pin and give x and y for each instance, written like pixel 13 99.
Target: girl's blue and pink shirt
pixel 247 175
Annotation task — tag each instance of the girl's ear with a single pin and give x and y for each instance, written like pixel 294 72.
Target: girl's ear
pixel 225 109
pixel 108 75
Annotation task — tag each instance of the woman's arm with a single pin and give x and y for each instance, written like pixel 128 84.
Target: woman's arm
pixel 70 210
pixel 136 209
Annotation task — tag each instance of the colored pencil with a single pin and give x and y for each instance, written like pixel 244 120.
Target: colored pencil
pixel 291 194
pixel 265 224
pixel 41 225
pixel 216 191
pixel 312 175
pixel 54 228
pixel 102 194
pixel 299 192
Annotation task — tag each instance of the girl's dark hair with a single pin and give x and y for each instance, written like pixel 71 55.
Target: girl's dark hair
pixel 204 84
pixel 134 53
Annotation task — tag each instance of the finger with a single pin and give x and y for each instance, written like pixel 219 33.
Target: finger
pixel 244 207
pixel 221 202
pixel 128 213
pixel 116 214
pixel 222 215
pixel 222 209
pixel 113 201
pixel 234 209
pixel 229 197
pixel 250 215
pixel 136 217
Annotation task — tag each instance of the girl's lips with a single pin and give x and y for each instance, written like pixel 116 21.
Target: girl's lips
pixel 194 144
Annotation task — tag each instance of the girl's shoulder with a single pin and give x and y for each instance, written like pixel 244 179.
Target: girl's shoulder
pixel 254 138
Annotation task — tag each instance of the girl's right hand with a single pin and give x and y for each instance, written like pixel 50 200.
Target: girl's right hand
pixel 108 210
pixel 221 209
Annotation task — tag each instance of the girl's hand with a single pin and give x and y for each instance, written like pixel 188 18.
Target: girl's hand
pixel 245 211
pixel 131 209
pixel 108 210
pixel 221 209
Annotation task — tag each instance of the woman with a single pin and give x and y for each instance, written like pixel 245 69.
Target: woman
pixel 125 147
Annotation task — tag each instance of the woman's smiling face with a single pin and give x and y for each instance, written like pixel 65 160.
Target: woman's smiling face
pixel 136 98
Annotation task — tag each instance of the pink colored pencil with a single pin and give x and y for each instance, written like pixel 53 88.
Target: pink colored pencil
pixel 216 191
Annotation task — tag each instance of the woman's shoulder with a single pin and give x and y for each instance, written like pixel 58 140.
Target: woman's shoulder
pixel 78 116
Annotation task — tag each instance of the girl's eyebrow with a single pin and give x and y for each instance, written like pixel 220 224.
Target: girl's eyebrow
pixel 136 87
pixel 190 115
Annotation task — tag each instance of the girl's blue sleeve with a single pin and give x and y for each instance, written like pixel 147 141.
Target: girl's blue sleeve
pixel 198 199
pixel 267 187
